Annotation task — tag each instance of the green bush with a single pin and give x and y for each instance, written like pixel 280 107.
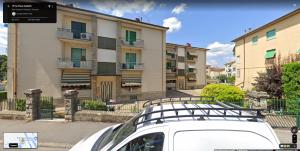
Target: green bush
pixel 223 93
pixel 94 105
pixel 20 104
pixel 291 85
pixel 3 95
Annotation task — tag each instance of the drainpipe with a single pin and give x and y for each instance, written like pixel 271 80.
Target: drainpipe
pixel 15 62
pixel 244 76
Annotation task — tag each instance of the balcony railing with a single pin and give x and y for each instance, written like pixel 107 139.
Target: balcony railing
pixel 132 66
pixel 171 57
pixel 137 43
pixel 74 64
pixel 171 70
pixel 68 34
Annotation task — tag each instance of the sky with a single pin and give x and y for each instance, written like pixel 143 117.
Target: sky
pixel 207 24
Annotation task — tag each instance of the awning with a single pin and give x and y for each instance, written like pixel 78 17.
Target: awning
pixel 170 51
pixel 131 84
pixel 192 66
pixel 75 84
pixel 191 79
pixel 192 53
pixel 270 54
pixel 75 78
pixel 131 81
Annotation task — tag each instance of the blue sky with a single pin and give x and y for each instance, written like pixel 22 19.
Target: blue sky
pixel 203 24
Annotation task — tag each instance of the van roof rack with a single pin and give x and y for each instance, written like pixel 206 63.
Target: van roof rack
pixel 226 110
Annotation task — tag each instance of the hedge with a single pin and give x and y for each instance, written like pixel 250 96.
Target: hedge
pixel 94 105
pixel 291 85
pixel 20 104
pixel 3 95
pixel 223 92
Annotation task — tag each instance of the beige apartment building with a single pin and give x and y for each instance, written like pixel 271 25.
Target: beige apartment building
pixel 99 55
pixel 213 72
pixel 260 48
pixel 185 67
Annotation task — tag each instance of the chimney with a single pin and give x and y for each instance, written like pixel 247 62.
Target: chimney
pixel 188 44
pixel 137 19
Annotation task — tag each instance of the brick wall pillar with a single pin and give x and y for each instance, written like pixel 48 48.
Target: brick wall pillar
pixel 71 100
pixel 32 104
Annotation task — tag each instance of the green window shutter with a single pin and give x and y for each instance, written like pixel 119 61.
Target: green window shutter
pixel 133 36
pixel 270 54
pixel 127 35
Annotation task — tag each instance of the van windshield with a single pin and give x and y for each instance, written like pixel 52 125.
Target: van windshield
pixel 121 133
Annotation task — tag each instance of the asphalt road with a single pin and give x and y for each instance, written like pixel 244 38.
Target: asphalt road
pixel 64 134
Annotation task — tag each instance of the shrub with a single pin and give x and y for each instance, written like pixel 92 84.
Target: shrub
pixel 20 104
pixel 223 93
pixel 94 105
pixel 3 95
pixel 291 85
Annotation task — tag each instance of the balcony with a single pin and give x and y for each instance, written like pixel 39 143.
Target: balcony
pixel 68 35
pixel 132 66
pixel 191 59
pixel 170 57
pixel 171 70
pixel 66 63
pixel 138 43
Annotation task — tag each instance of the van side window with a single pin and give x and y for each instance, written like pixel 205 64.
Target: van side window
pixel 149 142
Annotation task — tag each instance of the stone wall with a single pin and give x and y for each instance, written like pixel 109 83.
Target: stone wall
pixel 12 115
pixel 102 116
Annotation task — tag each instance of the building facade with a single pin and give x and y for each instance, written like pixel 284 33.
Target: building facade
pixel 260 48
pixel 185 67
pixel 99 55
pixel 230 68
pixel 214 72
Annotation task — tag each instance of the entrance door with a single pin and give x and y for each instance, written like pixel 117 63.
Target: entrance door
pixel 106 88
pixel 130 60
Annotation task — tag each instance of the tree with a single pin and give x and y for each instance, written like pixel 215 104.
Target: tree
pixel 222 78
pixel 270 81
pixel 3 67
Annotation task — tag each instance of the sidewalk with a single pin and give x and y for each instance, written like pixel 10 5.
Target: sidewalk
pixel 53 133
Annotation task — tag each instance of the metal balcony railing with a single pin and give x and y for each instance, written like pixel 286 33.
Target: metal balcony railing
pixel 74 64
pixel 137 43
pixel 68 34
pixel 132 66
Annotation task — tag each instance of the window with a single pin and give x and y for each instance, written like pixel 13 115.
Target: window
pixel 180 72
pixel 77 28
pixel 270 54
pixel 238 72
pixel 77 55
pixel 130 60
pixel 237 59
pixel 149 142
pixel 180 59
pixel 106 43
pixel 106 68
pixel 271 34
pixel 130 36
pixel 254 40
pixel 191 70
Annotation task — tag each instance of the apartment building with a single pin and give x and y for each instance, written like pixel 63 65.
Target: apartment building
pixel 213 72
pixel 97 54
pixel 260 48
pixel 185 67
pixel 230 68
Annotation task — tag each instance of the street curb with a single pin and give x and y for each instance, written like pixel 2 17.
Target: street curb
pixel 53 145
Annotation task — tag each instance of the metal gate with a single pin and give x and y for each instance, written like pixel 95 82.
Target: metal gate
pixel 46 108
pixel 106 90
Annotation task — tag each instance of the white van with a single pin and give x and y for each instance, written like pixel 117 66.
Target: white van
pixel 185 127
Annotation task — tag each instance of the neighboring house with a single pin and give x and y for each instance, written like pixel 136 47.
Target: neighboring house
pixel 185 67
pixel 259 48
pixel 99 55
pixel 230 69
pixel 214 72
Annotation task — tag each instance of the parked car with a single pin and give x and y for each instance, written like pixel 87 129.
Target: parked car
pixel 185 127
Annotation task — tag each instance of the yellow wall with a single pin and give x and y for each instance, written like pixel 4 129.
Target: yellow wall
pixel 287 41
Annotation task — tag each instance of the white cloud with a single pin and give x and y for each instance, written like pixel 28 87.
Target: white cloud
pixel 219 53
pixel 119 8
pixel 3 35
pixel 173 23
pixel 179 8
